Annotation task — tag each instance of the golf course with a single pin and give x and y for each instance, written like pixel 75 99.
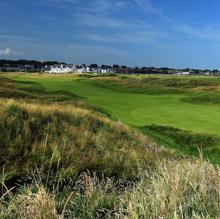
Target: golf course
pixel 180 112
pixel 109 146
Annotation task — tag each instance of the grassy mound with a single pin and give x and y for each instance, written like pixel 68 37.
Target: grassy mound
pixel 38 130
pixel 203 98
pixel 35 92
pixel 61 158
pixel 10 89
pixel 186 141
pixel 155 85
pixel 182 82
pixel 76 140
pixel 134 86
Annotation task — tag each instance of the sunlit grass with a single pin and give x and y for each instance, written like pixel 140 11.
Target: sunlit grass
pixel 63 158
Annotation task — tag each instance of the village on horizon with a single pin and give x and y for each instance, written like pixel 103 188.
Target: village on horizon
pixel 55 67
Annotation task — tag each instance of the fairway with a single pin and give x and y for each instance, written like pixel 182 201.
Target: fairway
pixel 134 109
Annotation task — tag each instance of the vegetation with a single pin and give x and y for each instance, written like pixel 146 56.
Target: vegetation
pixel 186 142
pixel 33 134
pixel 62 157
pixel 178 189
pixel 203 98
pixel 164 105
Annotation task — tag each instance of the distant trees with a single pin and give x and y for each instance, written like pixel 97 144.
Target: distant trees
pixel 105 66
pixel 93 66
pixel 25 65
pixel 51 63
pixel 16 63
pixel 33 65
pixel 116 66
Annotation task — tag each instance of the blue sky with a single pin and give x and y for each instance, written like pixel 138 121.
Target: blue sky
pixel 160 33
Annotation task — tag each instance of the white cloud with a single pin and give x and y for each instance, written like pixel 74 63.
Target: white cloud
pixel 208 33
pixel 9 52
pixel 5 52
pixel 149 7
pixel 131 37
pixel 99 21
pixel 94 6
pixel 15 37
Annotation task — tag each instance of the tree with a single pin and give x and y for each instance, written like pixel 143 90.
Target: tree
pixel 116 66
pixel 93 66
pixel 104 66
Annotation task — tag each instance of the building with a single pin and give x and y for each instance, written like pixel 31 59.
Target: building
pixel 183 73
pixel 89 69
pixel 108 71
pixel 61 69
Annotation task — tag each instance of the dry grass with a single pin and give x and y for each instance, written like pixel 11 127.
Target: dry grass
pixel 29 204
pixel 62 161
pixel 183 189
pixel 71 138
pixel 178 189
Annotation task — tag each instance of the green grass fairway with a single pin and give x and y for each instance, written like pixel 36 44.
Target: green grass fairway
pixel 137 108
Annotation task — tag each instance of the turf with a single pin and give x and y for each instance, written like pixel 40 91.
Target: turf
pixel 189 105
pixel 135 109
pixel 187 142
pixel 60 158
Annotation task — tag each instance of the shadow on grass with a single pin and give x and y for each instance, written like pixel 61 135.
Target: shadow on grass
pixel 186 142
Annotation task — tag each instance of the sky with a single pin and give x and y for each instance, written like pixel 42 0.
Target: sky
pixel 159 33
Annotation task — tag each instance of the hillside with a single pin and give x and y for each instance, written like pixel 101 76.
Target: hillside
pixel 181 113
pixel 61 157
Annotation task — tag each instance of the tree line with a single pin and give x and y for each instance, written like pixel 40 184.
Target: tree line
pixel 39 65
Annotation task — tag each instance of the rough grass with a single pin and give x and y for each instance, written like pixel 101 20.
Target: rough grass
pixel 61 159
pixel 31 202
pixel 135 86
pixel 10 89
pixel 64 134
pixel 155 85
pixel 182 82
pixel 186 142
pixel 34 92
pixel 34 135
pixel 177 189
pixel 203 98
pixel 136 109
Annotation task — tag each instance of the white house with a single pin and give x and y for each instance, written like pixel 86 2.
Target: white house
pixel 80 69
pixel 61 69
pixel 107 71
pixel 183 73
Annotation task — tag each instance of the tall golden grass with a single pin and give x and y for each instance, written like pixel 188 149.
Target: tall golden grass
pixel 59 160
pixel 76 139
pixel 178 189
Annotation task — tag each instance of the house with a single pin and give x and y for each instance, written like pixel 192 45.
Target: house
pixel 108 71
pixel 61 69
pixel 183 73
